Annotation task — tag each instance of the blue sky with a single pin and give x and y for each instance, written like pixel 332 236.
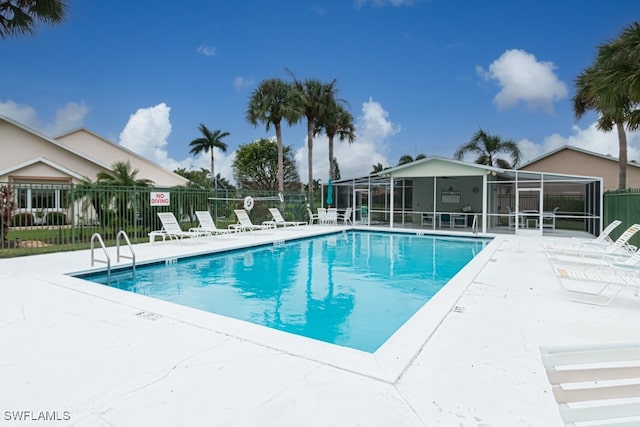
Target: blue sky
pixel 419 76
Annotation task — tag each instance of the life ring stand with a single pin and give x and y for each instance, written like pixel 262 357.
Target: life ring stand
pixel 248 203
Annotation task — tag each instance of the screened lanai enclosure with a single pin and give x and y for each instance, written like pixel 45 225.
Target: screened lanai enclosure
pixel 443 194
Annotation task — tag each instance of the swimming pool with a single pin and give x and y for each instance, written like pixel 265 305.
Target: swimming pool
pixel 353 289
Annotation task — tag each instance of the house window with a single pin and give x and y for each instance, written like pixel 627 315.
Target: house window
pixel 44 199
pixel 41 198
pixel 22 198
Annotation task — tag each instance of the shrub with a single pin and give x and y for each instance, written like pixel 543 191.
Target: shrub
pixel 55 218
pixel 22 220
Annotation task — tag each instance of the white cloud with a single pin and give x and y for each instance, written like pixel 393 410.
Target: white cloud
pixel 318 10
pixel 20 113
pixel 223 163
pixel 590 139
pixel 373 125
pixel 357 159
pixel 67 117
pixel 146 133
pixel 380 3
pixel 240 83
pixel 206 50
pixel 523 78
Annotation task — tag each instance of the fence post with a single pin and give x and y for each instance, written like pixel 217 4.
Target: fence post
pixel 73 217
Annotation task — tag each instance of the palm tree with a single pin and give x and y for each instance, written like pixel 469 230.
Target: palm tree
pixel 315 97
pixel 587 98
pixel 335 121
pixel 18 17
pixel 122 176
pixel 207 143
pixel 405 159
pixel 377 168
pixel 272 101
pixel 620 78
pixel 408 159
pixel 488 147
pixel 611 87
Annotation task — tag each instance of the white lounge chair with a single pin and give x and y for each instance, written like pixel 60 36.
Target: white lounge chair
pixel 619 261
pixel 207 224
pixel 597 281
pixel 620 246
pixel 346 216
pixel 595 384
pixel 171 228
pixel 603 239
pixel 278 219
pixel 605 236
pixel 245 224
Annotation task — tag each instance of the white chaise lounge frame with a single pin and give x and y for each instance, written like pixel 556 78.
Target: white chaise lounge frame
pixel 595 383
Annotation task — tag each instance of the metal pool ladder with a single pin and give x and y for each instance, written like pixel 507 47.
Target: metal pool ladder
pixel 107 261
pixel 474 224
pixel 132 257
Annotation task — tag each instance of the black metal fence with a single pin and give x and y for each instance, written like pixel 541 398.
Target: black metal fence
pixel 51 218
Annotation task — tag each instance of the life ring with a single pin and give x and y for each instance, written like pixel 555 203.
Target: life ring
pixel 248 203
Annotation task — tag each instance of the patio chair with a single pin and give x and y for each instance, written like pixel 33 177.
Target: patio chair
pixel 346 216
pixel 549 219
pixel 595 384
pixel 364 215
pixel 245 224
pixel 604 279
pixel 458 220
pixel 207 224
pixel 445 219
pixel 171 228
pixel 512 219
pixel 620 246
pixel 278 219
pixel 322 215
pixel 312 217
pixel 332 216
pixel 427 219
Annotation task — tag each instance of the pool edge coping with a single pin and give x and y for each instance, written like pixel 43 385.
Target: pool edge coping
pixel 387 364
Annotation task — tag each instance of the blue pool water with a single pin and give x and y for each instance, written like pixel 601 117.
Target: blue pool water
pixel 353 289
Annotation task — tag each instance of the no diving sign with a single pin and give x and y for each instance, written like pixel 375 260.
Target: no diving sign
pixel 159 198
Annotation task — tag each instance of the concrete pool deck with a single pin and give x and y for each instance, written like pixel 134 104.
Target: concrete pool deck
pixel 89 355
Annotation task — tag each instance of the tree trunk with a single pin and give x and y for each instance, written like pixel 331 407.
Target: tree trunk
pixel 280 162
pixel 280 172
pixel 622 157
pixel 310 123
pixel 331 170
pixel 213 173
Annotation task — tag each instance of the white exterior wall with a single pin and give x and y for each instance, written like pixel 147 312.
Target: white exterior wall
pixel 74 156
pixel 96 147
